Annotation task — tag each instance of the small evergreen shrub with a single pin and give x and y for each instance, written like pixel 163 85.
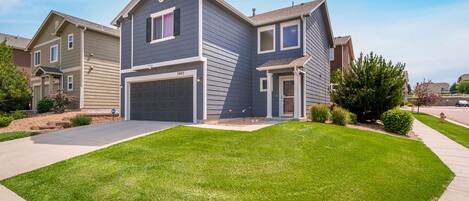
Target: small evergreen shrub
pixel 340 116
pixel 45 105
pixel 320 113
pixel 18 115
pixel 5 121
pixel 397 121
pixel 80 120
pixel 353 118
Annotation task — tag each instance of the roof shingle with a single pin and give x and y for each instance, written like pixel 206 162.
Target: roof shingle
pixel 14 41
pixel 285 13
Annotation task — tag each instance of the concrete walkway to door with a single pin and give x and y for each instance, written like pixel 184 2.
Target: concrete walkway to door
pixel 27 154
pixel 454 155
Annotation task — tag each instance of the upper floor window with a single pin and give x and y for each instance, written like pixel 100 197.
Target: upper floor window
pixel 37 58
pixel 266 39
pixel 164 25
pixel 70 41
pixel 70 83
pixel 54 52
pixel 290 35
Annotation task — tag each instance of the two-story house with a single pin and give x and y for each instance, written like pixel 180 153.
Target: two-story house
pixel 196 60
pixel 342 55
pixel 79 57
pixel 21 57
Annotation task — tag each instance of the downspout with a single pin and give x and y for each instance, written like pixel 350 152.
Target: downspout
pixel 82 52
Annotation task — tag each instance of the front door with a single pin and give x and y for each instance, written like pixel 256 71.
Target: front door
pixel 287 89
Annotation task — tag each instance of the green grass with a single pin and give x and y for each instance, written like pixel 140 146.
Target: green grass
pixel 289 161
pixel 14 135
pixel 455 132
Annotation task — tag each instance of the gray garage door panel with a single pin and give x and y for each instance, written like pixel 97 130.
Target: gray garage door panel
pixel 165 100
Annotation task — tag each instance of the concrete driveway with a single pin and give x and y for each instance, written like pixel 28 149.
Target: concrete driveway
pixel 27 154
pixel 458 114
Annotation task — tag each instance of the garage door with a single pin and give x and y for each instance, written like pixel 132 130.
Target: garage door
pixel 165 100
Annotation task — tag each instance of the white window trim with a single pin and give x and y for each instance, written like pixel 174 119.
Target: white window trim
pixel 69 82
pixel 261 80
pixel 288 24
pixel 161 14
pixel 56 56
pixel 38 63
pixel 68 41
pixel 259 31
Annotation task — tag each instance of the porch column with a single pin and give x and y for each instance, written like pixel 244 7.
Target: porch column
pixel 269 95
pixel 297 94
pixel 51 85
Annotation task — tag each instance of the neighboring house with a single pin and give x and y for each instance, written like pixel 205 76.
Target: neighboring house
pixel 79 57
pixel 343 55
pixel 196 60
pixel 437 88
pixel 21 57
pixel 464 77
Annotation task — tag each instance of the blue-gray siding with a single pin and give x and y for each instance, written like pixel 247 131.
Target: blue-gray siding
pixel 259 99
pixel 318 68
pixel 183 46
pixel 183 67
pixel 227 46
pixel 126 43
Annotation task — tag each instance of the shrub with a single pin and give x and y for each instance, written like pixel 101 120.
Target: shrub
pixel 370 88
pixel 353 118
pixel 80 120
pixel 18 115
pixel 340 116
pixel 397 121
pixel 320 113
pixel 409 104
pixel 61 102
pixel 5 121
pixel 45 105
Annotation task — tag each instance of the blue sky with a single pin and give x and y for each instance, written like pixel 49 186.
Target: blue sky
pixel 430 36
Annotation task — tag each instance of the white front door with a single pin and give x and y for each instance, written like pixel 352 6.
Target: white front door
pixel 286 96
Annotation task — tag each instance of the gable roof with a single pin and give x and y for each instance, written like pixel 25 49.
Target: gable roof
pixel 16 42
pixel 463 77
pixel 287 13
pixel 78 22
pixel 345 40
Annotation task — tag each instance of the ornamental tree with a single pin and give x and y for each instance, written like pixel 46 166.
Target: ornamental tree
pixel 14 90
pixel 372 87
pixel 425 96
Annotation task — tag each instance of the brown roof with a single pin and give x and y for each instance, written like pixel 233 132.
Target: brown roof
pixel 14 41
pixel 88 24
pixel 285 13
pixel 342 40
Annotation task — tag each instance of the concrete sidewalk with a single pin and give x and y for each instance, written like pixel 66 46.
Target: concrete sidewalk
pixel 454 155
pixel 27 154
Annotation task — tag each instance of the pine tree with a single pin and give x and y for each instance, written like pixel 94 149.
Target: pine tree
pixel 14 90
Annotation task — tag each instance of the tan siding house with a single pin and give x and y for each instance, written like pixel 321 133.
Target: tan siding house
pixel 79 57
pixel 343 54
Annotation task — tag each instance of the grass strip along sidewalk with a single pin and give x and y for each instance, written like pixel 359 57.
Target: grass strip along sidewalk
pixel 453 131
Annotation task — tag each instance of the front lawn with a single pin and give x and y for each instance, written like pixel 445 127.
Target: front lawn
pixel 455 132
pixel 14 135
pixel 289 161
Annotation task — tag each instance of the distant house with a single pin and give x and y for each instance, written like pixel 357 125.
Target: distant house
pixel 78 57
pixel 197 60
pixel 343 55
pixel 464 77
pixel 21 57
pixel 441 88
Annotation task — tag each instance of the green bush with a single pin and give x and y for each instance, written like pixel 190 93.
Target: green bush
pixel 320 113
pixel 45 105
pixel 397 121
pixel 353 118
pixel 18 115
pixel 340 116
pixel 5 121
pixel 80 120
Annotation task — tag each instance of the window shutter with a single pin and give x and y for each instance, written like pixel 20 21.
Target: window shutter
pixel 148 29
pixel 177 22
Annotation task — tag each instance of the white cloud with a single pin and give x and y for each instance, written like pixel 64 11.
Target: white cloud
pixel 7 5
pixel 434 43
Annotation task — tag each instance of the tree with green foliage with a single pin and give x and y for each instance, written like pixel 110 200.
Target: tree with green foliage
pixel 454 89
pixel 14 90
pixel 464 87
pixel 372 87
